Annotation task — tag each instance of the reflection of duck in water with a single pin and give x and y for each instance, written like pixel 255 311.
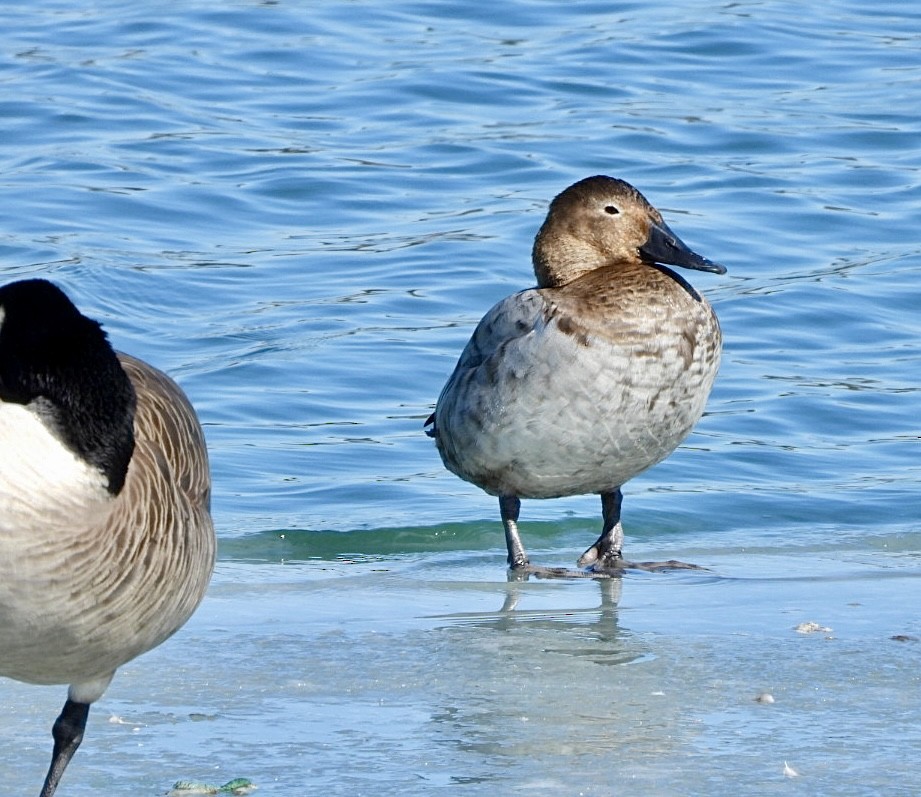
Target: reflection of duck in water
pixel 595 375
pixel 106 542
pixel 596 640
pixel 592 633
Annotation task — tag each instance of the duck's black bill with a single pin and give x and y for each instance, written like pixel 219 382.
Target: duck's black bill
pixel 664 247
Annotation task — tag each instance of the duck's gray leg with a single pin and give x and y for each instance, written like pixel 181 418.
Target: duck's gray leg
pixel 509 507
pixel 68 733
pixel 606 551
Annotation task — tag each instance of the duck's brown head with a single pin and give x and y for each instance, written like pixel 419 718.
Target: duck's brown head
pixel 601 221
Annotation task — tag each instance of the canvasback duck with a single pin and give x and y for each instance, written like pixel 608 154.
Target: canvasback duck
pixel 598 373
pixel 106 540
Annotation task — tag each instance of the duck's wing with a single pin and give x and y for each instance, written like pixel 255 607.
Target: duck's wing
pixel 512 319
pixel 515 317
pixel 525 388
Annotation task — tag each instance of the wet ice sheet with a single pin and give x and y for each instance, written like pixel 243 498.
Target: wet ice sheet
pixel 426 672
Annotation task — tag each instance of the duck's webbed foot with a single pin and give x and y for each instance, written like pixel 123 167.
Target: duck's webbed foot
pixel 605 553
pixel 520 568
pixel 604 558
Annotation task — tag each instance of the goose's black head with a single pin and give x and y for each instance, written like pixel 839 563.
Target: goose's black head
pixel 60 364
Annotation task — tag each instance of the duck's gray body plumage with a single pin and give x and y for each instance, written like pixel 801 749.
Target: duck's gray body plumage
pixel 578 385
pixel 565 391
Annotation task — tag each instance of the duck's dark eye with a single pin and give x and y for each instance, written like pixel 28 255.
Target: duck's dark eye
pixel 611 210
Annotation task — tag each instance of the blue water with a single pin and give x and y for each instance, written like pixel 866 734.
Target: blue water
pixel 301 210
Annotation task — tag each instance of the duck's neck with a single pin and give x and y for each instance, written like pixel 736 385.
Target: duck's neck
pixel 560 259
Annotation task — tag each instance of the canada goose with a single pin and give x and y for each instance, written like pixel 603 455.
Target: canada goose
pixel 595 375
pixel 106 540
